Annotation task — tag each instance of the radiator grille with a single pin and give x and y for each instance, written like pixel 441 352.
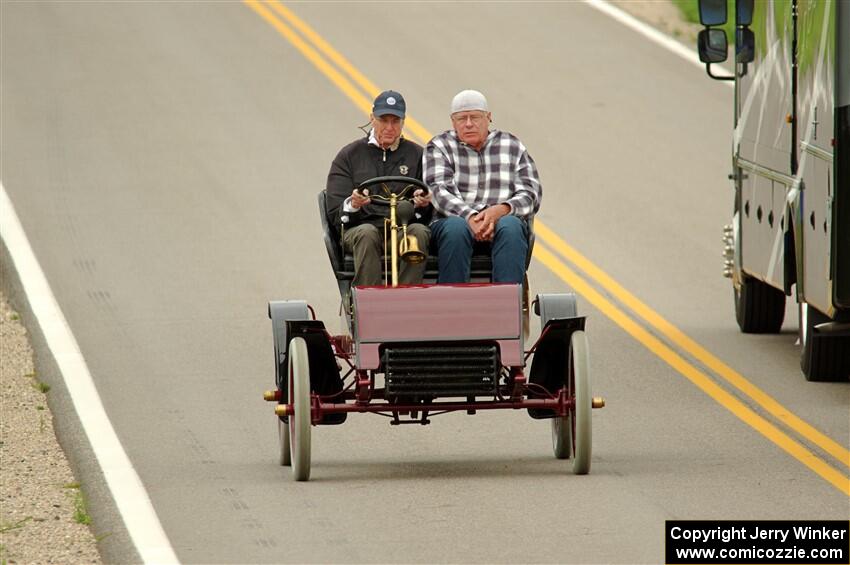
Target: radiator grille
pixel 428 371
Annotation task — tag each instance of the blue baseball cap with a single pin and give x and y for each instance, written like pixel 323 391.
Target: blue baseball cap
pixel 389 102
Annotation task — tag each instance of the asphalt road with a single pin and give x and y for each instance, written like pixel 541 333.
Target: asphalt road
pixel 164 159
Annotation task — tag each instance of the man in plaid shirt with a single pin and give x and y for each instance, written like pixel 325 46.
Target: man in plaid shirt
pixel 484 188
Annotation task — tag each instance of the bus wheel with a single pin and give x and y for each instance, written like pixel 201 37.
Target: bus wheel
pixel 759 307
pixel 825 357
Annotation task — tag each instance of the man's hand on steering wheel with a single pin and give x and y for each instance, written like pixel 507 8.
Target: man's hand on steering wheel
pixel 360 198
pixel 381 196
pixel 421 199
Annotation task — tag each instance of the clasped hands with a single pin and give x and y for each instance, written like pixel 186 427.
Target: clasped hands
pixel 483 223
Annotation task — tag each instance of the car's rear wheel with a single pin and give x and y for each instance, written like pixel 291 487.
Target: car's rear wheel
pixel 285 458
pixel 562 437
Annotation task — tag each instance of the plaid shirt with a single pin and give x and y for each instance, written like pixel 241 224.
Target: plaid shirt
pixel 464 181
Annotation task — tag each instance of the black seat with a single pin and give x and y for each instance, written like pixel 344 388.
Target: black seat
pixel 343 263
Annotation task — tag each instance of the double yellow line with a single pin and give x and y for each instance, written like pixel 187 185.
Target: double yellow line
pixel 651 325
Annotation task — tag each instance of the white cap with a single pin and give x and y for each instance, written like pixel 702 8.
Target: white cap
pixel 469 100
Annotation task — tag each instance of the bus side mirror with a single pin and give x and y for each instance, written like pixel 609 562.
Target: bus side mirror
pixel 745 45
pixel 712 12
pixel 712 45
pixel 743 13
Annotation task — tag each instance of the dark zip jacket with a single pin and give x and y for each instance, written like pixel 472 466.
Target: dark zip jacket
pixel 359 161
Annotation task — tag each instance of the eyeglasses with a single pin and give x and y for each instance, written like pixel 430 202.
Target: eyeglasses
pixel 476 119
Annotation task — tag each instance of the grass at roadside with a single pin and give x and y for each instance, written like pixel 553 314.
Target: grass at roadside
pixel 9 527
pixel 689 9
pixel 44 514
pixel 81 515
pixel 37 384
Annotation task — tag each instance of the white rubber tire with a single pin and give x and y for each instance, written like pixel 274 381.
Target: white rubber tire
pixel 562 437
pixel 300 423
pixel 283 438
pixel 580 416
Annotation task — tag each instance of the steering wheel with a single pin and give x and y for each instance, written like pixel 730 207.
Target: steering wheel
pixel 384 199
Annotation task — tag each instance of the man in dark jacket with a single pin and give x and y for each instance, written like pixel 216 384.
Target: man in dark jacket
pixel 384 152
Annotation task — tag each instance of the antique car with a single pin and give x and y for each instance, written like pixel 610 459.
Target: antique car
pixel 418 351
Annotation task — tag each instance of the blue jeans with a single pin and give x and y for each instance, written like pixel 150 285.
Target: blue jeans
pixel 455 244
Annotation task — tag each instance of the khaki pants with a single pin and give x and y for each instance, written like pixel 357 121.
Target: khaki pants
pixel 366 243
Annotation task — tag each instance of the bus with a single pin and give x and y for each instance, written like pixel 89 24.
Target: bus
pixel 790 229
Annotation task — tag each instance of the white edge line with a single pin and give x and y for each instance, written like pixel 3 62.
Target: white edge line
pixel 649 32
pixel 127 490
